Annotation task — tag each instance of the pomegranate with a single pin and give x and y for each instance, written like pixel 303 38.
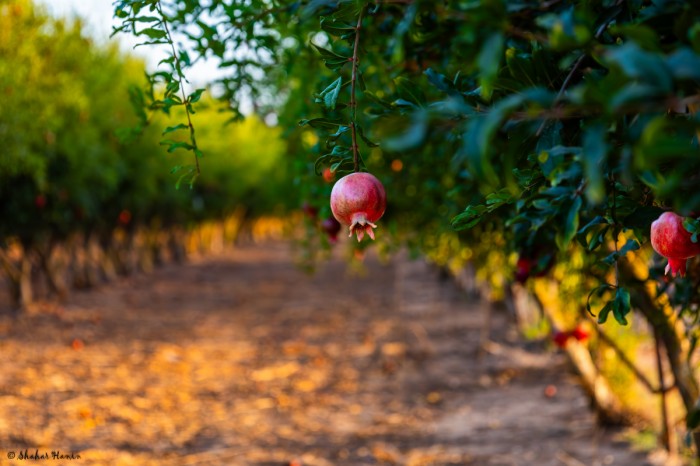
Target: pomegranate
pixel 534 264
pixel 550 391
pixel 358 200
pixel 332 228
pixel 124 217
pixel 579 333
pixel 560 338
pixel 40 201
pixel 309 210
pixel 671 240
pixel 522 269
pixel 328 175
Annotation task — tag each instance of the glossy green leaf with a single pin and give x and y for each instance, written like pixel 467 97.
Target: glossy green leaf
pixel 488 62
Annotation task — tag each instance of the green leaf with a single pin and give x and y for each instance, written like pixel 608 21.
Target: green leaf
pixel 599 290
pixel 604 312
pixel 321 123
pixel 341 130
pixel 409 91
pixel 329 96
pixel 570 225
pixel 691 225
pixel 594 155
pixel 174 145
pixel 412 137
pixel 488 62
pixel 469 218
pixel 330 58
pixel 630 245
pixel 153 33
pixel 600 224
pixel 645 66
pixel 337 28
pixel 477 139
pixel 643 35
pixel 499 198
pixel 364 138
pixel 170 129
pixel 195 96
pixel 598 239
pixel 441 82
pixel 631 94
pixel 694 36
pixel 684 64
pixel 340 151
pixel 621 306
pixel 146 19
pixel 598 220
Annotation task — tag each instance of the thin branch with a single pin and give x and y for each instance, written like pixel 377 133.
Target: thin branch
pixel 353 100
pixel 666 424
pixel 181 80
pixel 616 229
pixel 628 362
pixel 575 68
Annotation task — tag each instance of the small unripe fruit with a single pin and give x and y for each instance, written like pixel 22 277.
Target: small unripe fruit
pixel 358 200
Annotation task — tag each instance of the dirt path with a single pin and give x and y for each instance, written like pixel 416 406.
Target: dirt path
pixel 244 360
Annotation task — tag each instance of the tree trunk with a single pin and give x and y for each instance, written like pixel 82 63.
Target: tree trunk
pixel 52 271
pixel 607 406
pixel 671 334
pixel 26 294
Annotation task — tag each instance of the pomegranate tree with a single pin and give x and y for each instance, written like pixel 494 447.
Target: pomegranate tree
pixel 670 239
pixel 358 200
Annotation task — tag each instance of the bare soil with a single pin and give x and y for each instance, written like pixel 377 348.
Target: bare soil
pixel 242 359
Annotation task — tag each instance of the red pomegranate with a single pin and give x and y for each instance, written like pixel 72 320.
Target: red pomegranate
pixel 579 333
pixel 124 217
pixel 309 210
pixel 671 240
pixel 522 269
pixel 332 228
pixel 560 338
pixel 328 175
pixel 358 200
pixel 40 201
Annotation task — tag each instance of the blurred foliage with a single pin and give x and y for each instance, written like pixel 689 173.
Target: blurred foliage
pixel 537 130
pixel 64 169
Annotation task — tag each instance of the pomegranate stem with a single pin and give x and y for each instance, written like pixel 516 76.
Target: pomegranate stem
pixel 353 100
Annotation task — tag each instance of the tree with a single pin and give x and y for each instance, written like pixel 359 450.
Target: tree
pixel 568 126
pixel 68 181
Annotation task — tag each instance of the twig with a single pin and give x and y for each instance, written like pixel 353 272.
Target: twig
pixel 575 68
pixel 178 68
pixel 628 362
pixel 353 100
pixel 666 425
pixel 616 229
